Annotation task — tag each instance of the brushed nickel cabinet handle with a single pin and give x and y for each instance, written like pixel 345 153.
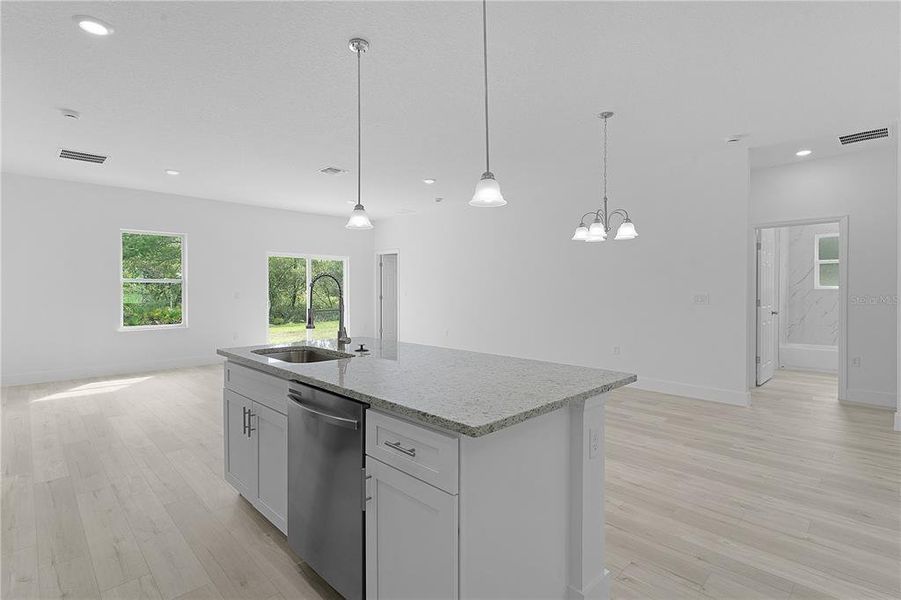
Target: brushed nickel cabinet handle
pixel 244 409
pixel 250 427
pixel 397 446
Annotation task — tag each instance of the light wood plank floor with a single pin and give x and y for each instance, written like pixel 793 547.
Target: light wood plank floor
pixel 112 488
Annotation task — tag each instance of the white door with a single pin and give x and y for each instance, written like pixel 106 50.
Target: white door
pixel 270 430
pixel 388 297
pixel 411 537
pixel 766 305
pixel 240 448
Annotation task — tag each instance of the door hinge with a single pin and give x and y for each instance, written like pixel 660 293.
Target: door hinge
pixel 757 359
pixel 759 245
pixel 758 302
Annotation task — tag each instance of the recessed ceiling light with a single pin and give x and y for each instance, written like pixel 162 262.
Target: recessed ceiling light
pixel 70 114
pixel 172 172
pixel 429 181
pixel 803 153
pixel 92 25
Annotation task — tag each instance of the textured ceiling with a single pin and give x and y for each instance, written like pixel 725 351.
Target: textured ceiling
pixel 250 99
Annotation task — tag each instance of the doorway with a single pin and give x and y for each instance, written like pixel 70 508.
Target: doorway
pixel 387 296
pixel 800 305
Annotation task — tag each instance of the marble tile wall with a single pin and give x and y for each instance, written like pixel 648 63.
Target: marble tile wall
pixel 811 315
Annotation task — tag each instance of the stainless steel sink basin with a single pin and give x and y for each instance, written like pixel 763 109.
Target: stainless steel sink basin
pixel 302 354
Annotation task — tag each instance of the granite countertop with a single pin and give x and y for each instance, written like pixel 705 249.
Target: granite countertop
pixel 465 392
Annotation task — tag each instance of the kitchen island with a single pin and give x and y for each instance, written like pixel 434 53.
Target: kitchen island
pixel 483 473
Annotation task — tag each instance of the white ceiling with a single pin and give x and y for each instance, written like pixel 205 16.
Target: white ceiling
pixel 250 99
pixel 784 153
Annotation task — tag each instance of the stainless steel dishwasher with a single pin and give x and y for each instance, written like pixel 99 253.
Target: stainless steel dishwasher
pixel 326 498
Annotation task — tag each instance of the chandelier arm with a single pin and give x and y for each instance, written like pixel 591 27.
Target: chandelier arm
pixel 621 212
pixel 591 212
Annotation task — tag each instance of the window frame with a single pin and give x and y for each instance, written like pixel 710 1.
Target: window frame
pixel 309 275
pixel 183 281
pixel 817 261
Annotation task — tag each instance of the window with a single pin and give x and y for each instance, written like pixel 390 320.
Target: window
pixel 289 282
pixel 152 280
pixel 826 261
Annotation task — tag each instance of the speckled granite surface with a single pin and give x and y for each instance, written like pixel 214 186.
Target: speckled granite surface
pixel 466 392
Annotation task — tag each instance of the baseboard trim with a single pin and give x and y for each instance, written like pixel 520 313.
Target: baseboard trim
pixel 599 589
pixel 51 375
pixel 696 392
pixel 809 357
pixel 870 398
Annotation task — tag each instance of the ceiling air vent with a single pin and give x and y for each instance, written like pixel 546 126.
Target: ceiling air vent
pixel 332 171
pixel 863 136
pixel 82 156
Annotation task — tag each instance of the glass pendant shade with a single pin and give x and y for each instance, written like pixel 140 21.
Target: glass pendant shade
pixel 581 233
pixel 626 231
pixel 359 219
pixel 596 230
pixel 488 193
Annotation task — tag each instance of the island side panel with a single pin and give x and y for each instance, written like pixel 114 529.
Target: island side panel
pixel 520 488
pixel 588 577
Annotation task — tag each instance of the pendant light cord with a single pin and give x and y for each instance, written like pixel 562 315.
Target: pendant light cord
pixel 359 129
pixel 485 58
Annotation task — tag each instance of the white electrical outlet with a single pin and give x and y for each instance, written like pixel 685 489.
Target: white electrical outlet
pixel 594 443
pixel 616 351
pixel 701 299
pixel 855 362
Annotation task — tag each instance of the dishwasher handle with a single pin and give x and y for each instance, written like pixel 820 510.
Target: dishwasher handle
pixel 332 419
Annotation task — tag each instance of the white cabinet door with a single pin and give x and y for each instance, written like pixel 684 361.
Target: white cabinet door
pixel 240 447
pixel 411 537
pixel 270 430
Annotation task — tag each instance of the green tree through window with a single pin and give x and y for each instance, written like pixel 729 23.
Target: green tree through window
pixel 152 279
pixel 289 281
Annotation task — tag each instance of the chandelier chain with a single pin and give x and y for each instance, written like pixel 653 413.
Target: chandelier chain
pixel 605 158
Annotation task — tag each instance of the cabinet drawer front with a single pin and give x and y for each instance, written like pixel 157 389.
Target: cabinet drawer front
pixel 426 454
pixel 267 390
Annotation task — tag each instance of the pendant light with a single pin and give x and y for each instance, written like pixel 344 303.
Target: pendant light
pixel 358 218
pixel 600 226
pixel 488 192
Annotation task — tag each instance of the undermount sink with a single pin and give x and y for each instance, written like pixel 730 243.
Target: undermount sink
pixel 301 355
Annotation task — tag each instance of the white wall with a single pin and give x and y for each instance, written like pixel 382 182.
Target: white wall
pixel 510 281
pixel 60 260
pixel 862 185
pixel 898 254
